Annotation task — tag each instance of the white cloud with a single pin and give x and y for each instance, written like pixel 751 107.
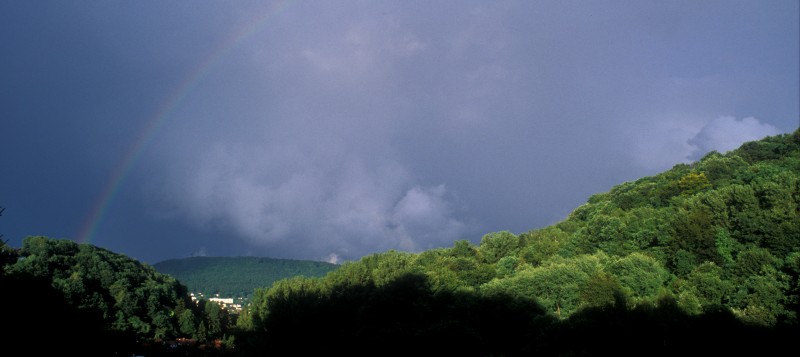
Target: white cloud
pixel 340 210
pixel 727 133
pixel 349 132
pixel 659 144
pixel 332 258
pixel 424 216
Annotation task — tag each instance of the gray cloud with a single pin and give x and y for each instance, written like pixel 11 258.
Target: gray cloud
pixel 360 131
pixel 336 129
pixel 682 138
pixel 727 133
pixel 344 208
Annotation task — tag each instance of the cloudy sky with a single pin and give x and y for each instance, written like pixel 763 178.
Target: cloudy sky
pixel 328 130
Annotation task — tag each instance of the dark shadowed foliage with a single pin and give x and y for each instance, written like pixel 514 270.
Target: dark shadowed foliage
pixel 402 317
pixel 661 329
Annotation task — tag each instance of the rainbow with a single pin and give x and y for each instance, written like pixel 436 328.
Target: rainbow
pixel 143 138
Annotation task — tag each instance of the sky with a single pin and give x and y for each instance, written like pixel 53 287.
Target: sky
pixel 328 130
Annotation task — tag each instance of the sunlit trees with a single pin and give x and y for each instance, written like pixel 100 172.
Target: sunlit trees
pixel 641 276
pixel 707 247
pixel 555 286
pixel 539 245
pixel 497 245
pixel 128 296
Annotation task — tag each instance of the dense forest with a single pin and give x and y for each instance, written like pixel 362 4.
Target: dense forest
pixel 237 276
pixel 62 296
pixel 701 259
pixel 703 256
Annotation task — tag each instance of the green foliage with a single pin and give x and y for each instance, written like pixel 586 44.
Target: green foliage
pixel 663 260
pixel 693 183
pixel 306 317
pixel 640 275
pixel 129 302
pixel 497 245
pixel 726 246
pixel 557 287
pixel 631 195
pixel 217 320
pixel 720 169
pixel 761 298
pixel 463 249
pixel 506 266
pixel 705 288
pixel 683 261
pixel 539 245
pixel 770 148
pixel 187 323
pixel 707 246
pixel 754 260
pixel 386 267
pixel 602 289
pixel 695 232
pixel 8 256
pixel 127 297
pixel 237 276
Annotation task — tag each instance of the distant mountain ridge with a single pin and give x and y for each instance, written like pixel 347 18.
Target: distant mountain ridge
pixel 238 276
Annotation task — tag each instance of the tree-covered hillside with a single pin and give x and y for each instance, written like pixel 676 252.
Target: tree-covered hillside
pixel 67 297
pixel 701 259
pixel 704 249
pixel 237 276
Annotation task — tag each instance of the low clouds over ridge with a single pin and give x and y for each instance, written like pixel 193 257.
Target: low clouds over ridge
pixel 343 208
pixel 330 130
pixel 727 133
pixel 683 139
pixel 357 132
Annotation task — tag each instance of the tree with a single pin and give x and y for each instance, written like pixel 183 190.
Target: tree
pixel 202 332
pixel 187 323
pixel 707 287
pixel 761 299
pixel 463 248
pixel 2 209
pixel 602 289
pixel 641 275
pixel 7 254
pixel 128 297
pixel 217 320
pixel 695 233
pixel 506 266
pixel 556 286
pixel 497 245
pixel 539 245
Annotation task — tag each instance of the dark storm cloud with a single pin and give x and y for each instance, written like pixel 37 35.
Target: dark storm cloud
pixel 340 129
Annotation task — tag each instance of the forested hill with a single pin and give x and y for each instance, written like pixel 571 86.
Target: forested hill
pixel 68 298
pixel 237 276
pixel 703 259
pixel 700 254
